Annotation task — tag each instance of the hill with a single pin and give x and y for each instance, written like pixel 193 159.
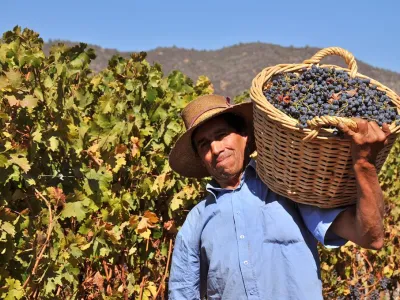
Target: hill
pixel 231 69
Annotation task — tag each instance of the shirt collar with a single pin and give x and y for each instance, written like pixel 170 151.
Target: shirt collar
pixel 214 188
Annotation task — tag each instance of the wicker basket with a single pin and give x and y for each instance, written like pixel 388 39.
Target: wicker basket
pixel 310 166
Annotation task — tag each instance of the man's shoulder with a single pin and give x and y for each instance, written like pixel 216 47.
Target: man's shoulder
pixel 198 212
pixel 200 207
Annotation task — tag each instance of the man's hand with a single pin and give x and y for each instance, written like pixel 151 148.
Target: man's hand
pixel 367 141
pixel 363 224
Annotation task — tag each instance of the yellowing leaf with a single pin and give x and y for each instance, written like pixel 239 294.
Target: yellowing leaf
pixel 149 220
pixel 142 225
pixel 96 81
pixel 20 161
pixel 388 271
pixel 54 143
pixel 12 101
pixel 3 161
pixel 145 234
pixel 119 162
pixel 29 102
pixel 86 246
pixel 15 290
pixel 177 200
pixel 31 181
pixel 152 289
pixel 159 183
pixel 8 227
pixel 3 82
pixel 106 103
pixel 175 203
pixel 37 136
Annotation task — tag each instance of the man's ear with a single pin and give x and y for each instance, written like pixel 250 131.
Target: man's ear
pixel 248 143
pixel 202 163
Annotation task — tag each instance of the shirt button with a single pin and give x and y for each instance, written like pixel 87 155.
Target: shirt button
pixel 246 262
pixel 242 237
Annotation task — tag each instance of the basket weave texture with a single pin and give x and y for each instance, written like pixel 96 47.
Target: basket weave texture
pixel 310 166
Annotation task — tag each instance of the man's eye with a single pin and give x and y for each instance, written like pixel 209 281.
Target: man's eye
pixel 202 145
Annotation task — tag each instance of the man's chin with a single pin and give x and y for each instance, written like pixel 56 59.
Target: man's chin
pixel 225 174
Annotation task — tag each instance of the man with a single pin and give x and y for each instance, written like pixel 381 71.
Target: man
pixel 246 242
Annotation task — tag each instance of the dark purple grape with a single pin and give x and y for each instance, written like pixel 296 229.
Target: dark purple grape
pixel 322 91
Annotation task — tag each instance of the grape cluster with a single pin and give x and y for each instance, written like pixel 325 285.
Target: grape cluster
pixel 320 91
pixel 371 279
pixel 374 295
pixel 385 282
pixel 355 293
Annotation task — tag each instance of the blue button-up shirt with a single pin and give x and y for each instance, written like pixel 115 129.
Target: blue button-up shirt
pixel 250 243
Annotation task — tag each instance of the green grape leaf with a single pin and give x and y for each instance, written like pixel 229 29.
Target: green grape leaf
pixel 14 77
pixel 74 209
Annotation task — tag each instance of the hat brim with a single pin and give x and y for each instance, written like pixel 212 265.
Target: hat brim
pixel 184 160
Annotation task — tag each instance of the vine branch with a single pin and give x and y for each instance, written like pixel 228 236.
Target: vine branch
pixel 49 231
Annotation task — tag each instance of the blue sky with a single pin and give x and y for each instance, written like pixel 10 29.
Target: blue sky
pixel 370 29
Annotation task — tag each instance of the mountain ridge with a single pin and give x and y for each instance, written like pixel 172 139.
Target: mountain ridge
pixel 232 68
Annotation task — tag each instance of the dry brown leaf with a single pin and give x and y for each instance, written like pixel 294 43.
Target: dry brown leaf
pixel 152 217
pixel 90 235
pixel 120 149
pixel 98 280
pixel 351 93
pixel 93 149
pixel 335 96
pixel 135 146
pixel 170 227
pixel 109 290
pixel 57 196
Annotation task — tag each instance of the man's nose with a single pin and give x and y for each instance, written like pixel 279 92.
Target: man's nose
pixel 216 147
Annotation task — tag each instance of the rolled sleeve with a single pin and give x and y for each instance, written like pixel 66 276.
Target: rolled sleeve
pixel 318 220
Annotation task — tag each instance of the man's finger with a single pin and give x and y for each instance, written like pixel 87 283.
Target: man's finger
pixel 386 129
pixel 379 133
pixel 362 126
pixel 343 127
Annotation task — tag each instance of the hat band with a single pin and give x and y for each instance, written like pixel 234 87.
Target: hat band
pixel 203 112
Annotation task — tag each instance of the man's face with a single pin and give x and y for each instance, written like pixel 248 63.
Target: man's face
pixel 221 149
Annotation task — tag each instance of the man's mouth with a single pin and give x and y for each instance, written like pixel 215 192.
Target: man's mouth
pixel 221 159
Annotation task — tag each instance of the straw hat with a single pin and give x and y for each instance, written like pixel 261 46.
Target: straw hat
pixel 183 159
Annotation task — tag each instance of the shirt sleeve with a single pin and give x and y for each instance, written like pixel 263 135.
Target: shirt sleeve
pixel 318 220
pixel 184 280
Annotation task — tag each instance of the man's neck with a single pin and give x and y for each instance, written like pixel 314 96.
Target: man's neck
pixel 234 181
pixel 231 183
